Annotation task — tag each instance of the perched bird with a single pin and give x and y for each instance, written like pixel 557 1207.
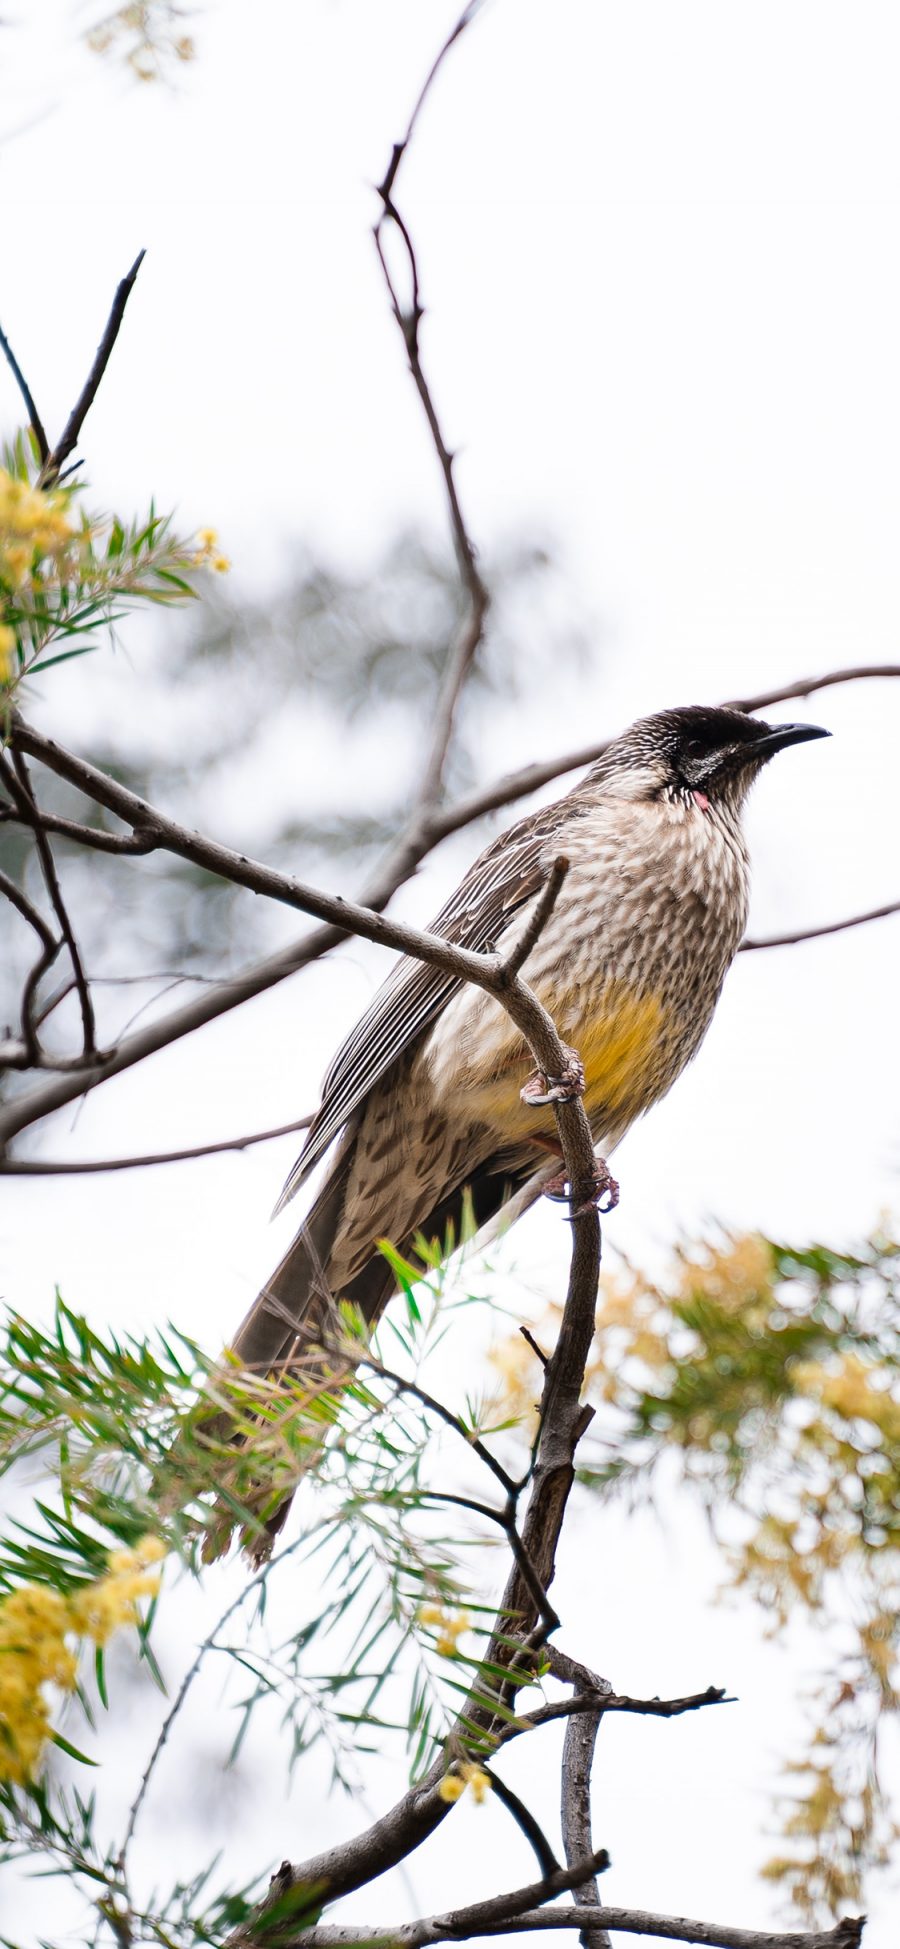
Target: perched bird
pixel 426 1095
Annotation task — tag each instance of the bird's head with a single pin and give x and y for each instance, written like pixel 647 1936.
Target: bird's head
pixel 696 755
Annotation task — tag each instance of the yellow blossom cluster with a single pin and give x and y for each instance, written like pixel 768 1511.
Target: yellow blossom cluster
pixel 109 1601
pixel 449 1626
pixel 36 1625
pixel 33 1653
pixel 34 524
pixel 466 1774
pixel 208 555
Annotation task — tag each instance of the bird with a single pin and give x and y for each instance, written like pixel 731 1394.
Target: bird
pixel 428 1104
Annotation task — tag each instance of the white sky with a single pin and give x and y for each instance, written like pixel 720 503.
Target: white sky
pixel 658 247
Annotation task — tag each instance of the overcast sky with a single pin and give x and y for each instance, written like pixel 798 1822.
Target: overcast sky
pixel 659 252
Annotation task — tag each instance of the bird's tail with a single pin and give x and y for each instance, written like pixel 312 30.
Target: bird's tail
pixel 295 1329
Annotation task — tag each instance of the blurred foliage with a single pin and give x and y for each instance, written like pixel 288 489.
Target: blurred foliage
pixel 772 1375
pixel 293 728
pixel 148 36
pixel 378 1646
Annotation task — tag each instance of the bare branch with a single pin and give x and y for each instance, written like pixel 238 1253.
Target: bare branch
pixel 408 850
pixel 27 1052
pixel 598 1700
pixel 34 417
pixel 92 836
pixel 518 954
pixel 18 784
pixel 184 1020
pixel 575 1810
pixel 28 911
pixel 525 1820
pixel 531 778
pixel 516 1902
pixel 816 933
pixel 68 438
pixel 36 1167
pixel 267 973
pixel 487 1919
pixel 343 917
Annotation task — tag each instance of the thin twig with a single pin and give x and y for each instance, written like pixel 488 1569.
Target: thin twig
pixel 518 954
pixel 435 1407
pixel 18 783
pixel 208 1644
pixel 68 438
pixel 598 1700
pixel 28 911
pixel 404 856
pixel 27 1053
pixel 91 836
pixel 525 1820
pixel 34 417
pixel 531 778
pixel 816 933
pixel 36 1167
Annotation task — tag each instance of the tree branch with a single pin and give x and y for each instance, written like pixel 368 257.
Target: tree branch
pixel 517 1901
pixel 18 784
pixel 816 933
pixel 525 1821
pixel 14 1056
pixel 36 1167
pixel 91 836
pixel 49 473
pixel 343 916
pixel 575 1810
pixel 34 417
pixel 405 856
pixel 267 973
pixel 490 1918
pixel 520 784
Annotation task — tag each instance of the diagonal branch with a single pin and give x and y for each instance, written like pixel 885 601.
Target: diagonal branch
pixel 18 784
pixel 34 418
pixel 267 973
pixel 531 778
pixel 517 1901
pixel 50 470
pixel 816 933
pixel 501 1915
pixel 91 836
pixel 37 1167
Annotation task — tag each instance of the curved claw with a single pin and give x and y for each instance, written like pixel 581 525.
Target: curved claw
pixel 605 1187
pixel 540 1089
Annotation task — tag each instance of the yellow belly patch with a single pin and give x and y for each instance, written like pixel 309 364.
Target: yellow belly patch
pixel 625 1047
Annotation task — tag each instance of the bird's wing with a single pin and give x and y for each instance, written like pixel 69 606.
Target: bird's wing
pixel 510 871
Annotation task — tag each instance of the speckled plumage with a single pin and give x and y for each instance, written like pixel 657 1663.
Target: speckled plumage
pixel 426 1090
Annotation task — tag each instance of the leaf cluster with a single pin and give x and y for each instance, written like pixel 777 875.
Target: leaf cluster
pixel 771 1372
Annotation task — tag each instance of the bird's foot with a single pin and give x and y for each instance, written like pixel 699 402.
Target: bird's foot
pixel 541 1089
pixel 605 1186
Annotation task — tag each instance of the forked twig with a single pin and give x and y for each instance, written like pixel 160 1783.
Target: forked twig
pixel 50 470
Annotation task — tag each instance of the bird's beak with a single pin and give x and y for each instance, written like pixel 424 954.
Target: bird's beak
pixel 782 735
